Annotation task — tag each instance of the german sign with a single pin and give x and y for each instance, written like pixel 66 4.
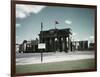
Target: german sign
pixel 41 46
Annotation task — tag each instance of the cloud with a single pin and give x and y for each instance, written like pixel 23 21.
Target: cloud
pixel 68 22
pixel 91 37
pixel 18 25
pixel 20 14
pixel 23 11
pixel 74 34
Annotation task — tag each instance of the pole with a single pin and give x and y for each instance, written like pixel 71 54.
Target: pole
pixel 41 41
pixel 41 26
pixel 56 22
pixel 55 25
pixel 41 56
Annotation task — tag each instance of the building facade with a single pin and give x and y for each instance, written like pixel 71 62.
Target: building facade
pixel 56 39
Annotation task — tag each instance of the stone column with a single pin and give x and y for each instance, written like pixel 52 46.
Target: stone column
pixel 75 45
pixel 52 44
pixel 55 43
pixel 69 44
pixel 60 44
pixel 49 45
pixel 65 44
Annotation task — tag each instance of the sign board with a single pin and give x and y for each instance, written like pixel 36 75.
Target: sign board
pixel 41 46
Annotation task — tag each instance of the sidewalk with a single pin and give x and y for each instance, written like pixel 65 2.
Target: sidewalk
pixel 55 57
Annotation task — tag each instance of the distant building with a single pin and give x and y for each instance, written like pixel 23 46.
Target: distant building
pixel 17 48
pixel 80 45
pixel 91 46
pixel 29 46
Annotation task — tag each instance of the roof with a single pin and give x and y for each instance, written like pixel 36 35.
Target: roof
pixel 56 32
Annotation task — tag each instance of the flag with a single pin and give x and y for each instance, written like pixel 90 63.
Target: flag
pixel 56 22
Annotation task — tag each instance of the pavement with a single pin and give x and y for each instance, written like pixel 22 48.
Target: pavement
pixel 35 58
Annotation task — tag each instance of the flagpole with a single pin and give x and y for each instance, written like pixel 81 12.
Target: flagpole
pixel 41 41
pixel 56 22
pixel 55 25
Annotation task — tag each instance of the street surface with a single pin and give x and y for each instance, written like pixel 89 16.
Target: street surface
pixel 34 58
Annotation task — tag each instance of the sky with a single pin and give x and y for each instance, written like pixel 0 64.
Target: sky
pixel 29 18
